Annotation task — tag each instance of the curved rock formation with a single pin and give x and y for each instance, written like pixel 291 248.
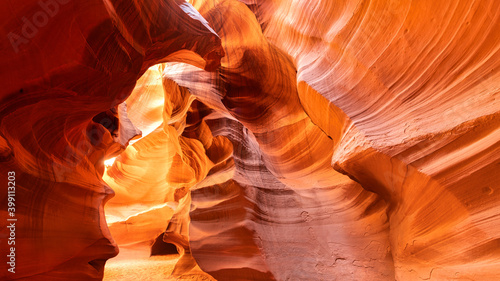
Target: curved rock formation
pixel 416 87
pixel 274 140
pixel 83 60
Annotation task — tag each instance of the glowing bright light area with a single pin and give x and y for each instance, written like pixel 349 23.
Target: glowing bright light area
pixel 109 162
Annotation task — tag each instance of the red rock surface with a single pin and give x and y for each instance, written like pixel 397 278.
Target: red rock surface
pixel 266 140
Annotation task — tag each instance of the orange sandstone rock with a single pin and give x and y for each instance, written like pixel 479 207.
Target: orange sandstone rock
pixel 266 140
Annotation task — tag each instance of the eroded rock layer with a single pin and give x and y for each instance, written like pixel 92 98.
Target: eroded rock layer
pixel 274 140
pixel 84 60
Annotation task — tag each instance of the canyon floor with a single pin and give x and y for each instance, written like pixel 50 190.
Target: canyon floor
pixel 133 265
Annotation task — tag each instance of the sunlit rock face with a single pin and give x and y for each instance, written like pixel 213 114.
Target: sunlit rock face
pixel 266 140
pixel 84 60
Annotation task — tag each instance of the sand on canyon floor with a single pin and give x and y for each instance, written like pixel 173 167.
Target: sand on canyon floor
pixel 136 265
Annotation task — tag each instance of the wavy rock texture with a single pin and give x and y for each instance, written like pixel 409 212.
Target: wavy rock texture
pixel 415 86
pixel 276 140
pixel 83 61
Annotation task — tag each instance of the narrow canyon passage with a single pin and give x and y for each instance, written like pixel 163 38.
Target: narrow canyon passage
pixel 250 140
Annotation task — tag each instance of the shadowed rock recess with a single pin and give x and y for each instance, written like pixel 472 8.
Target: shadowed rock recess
pixel 251 139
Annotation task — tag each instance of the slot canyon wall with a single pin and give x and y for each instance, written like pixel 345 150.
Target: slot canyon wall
pixel 266 140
